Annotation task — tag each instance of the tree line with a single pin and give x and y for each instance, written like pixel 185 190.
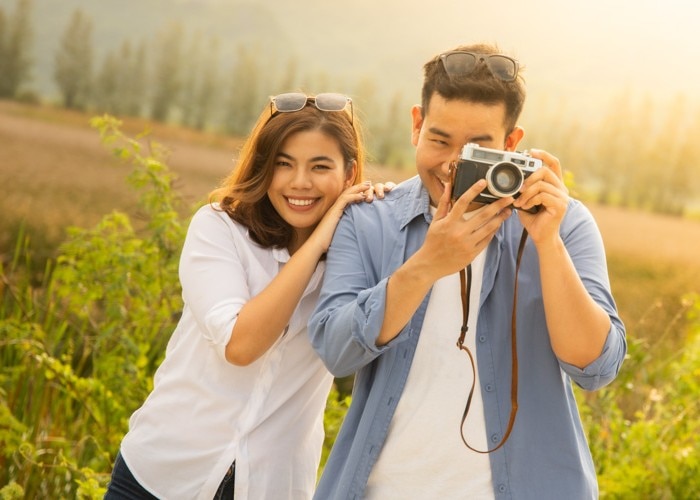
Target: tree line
pixel 631 157
pixel 184 78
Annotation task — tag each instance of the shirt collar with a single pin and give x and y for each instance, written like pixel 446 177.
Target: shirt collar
pixel 417 202
pixel 280 254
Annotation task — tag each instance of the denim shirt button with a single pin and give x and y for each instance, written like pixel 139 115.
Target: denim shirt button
pixel 502 488
pixel 489 388
pixel 494 438
pixel 482 338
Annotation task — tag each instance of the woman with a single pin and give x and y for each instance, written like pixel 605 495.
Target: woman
pixel 240 393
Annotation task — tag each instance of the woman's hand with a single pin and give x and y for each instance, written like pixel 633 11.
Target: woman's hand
pixel 365 191
pixel 379 189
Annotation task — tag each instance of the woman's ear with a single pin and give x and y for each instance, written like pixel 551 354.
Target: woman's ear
pixel 351 175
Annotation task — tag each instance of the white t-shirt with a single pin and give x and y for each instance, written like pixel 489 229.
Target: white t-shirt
pixel 204 412
pixel 424 456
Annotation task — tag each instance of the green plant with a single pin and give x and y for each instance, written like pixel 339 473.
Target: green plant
pixel 79 350
pixel 649 448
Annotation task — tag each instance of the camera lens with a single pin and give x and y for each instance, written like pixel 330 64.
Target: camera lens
pixel 504 179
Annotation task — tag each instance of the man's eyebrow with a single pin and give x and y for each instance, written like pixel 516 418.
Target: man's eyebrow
pixel 481 138
pixel 477 138
pixel 437 131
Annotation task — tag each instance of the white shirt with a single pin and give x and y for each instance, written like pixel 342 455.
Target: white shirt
pixel 424 456
pixel 204 412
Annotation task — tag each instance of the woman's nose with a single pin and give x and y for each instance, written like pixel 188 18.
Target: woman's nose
pixel 301 178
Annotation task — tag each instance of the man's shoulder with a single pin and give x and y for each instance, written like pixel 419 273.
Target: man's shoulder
pixel 395 202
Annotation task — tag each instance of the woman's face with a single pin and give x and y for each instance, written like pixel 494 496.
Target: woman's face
pixel 308 178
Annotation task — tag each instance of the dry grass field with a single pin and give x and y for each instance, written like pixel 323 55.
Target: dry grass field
pixel 55 172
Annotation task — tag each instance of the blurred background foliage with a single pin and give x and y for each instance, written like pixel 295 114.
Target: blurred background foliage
pixel 212 65
pixel 85 313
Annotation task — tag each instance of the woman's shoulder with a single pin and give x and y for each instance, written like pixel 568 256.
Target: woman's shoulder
pixel 210 215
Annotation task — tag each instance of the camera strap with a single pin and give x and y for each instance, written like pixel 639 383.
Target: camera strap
pixel 465 285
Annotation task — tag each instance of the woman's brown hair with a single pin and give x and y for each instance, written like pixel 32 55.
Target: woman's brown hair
pixel 243 194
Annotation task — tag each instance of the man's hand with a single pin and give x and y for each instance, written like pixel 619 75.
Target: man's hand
pixel 545 187
pixel 452 242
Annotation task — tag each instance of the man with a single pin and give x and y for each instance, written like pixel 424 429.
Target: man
pixel 393 307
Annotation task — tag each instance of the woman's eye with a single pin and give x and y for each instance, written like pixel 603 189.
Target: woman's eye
pixel 321 167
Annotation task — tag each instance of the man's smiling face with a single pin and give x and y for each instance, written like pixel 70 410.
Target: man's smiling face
pixel 446 128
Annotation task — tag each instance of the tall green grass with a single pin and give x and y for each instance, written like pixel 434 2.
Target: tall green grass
pixel 79 345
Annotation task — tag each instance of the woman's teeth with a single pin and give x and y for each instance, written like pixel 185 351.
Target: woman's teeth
pixel 300 203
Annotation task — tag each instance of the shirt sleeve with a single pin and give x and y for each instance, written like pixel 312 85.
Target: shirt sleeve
pixel 345 324
pixel 585 246
pixel 213 278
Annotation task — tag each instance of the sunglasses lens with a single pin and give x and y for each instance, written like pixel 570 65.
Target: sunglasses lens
pixel 331 102
pixel 502 67
pixel 459 63
pixel 293 101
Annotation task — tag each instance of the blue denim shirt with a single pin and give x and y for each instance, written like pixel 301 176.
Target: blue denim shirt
pixel 546 456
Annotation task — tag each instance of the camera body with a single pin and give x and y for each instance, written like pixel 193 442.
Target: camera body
pixel 504 171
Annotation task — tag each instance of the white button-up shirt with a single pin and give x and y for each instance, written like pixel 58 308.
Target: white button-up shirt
pixel 204 412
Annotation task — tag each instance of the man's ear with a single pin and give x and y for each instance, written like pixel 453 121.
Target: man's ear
pixel 417 123
pixel 514 138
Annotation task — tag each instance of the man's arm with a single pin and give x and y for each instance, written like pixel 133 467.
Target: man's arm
pixel 358 314
pixel 450 245
pixel 578 326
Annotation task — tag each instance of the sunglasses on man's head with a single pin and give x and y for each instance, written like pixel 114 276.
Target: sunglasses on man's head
pixel 460 63
pixel 296 101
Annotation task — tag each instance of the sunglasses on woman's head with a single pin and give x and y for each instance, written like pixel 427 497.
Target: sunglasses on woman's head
pixel 296 101
pixel 460 63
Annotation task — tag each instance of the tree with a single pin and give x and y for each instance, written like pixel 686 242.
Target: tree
pixel 208 87
pixel 290 76
pixel 245 94
pixel 120 82
pixel 73 64
pixel 395 134
pixel 108 85
pixel 135 78
pixel 167 77
pixel 15 49
pixel 190 79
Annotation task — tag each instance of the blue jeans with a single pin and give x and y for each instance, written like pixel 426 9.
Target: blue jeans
pixel 124 486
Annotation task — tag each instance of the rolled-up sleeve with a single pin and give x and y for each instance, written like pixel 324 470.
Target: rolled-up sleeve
pixel 214 284
pixel 585 246
pixel 345 325
pixel 605 368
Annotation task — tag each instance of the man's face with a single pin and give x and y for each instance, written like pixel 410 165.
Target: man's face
pixel 446 128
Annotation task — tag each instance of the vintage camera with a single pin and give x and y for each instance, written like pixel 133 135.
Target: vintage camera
pixel 504 171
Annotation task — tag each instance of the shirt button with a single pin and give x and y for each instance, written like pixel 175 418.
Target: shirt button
pixel 489 388
pixel 482 338
pixel 502 488
pixel 494 438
